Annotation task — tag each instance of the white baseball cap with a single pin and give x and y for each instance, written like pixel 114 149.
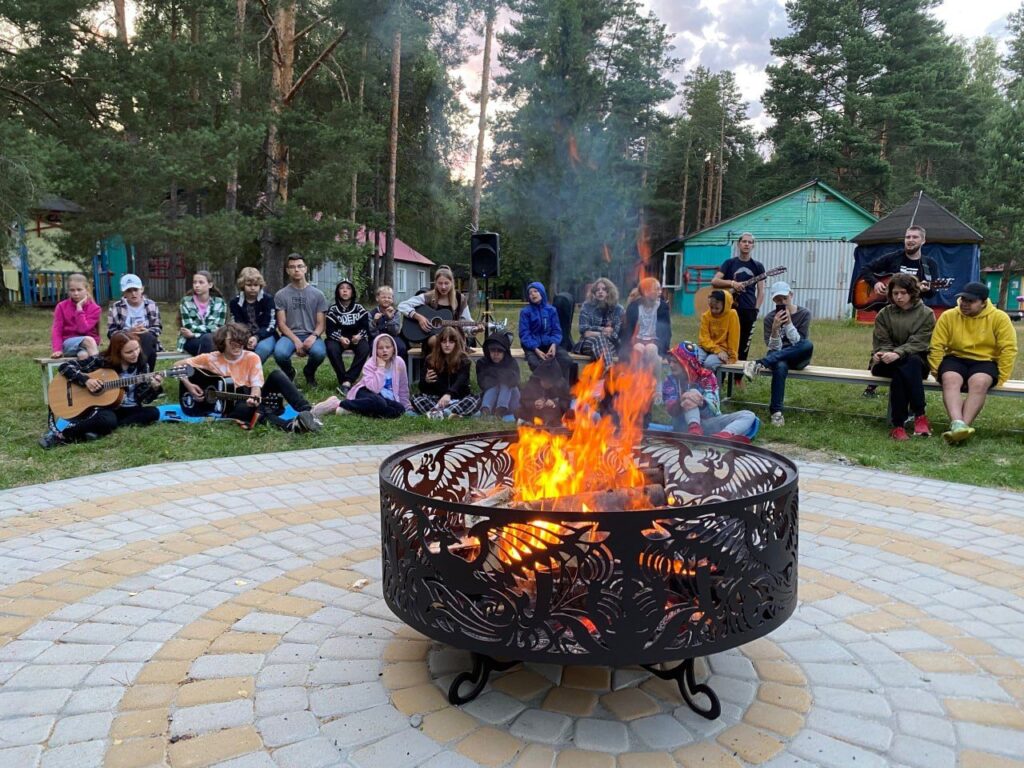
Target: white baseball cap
pixel 130 281
pixel 780 288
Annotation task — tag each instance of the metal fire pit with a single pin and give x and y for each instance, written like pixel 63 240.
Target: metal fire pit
pixel 716 571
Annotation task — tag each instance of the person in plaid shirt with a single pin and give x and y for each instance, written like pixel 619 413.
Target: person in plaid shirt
pixel 202 312
pixel 138 315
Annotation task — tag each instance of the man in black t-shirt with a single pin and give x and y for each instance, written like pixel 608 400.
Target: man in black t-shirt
pixel 910 262
pixel 747 303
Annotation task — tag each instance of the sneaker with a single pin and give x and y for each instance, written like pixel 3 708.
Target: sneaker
pixel 310 382
pixel 958 432
pixel 330 405
pixel 778 420
pixel 921 426
pixel 305 422
pixel 899 434
pixel 435 415
pixel 694 429
pixel 750 369
pixel 51 439
pixel 735 438
pixel 343 390
pixel 871 391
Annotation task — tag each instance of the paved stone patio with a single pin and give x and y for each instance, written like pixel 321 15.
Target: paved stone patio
pixel 229 613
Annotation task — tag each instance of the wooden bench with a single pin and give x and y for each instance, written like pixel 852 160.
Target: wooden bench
pixel 49 366
pixel 1012 388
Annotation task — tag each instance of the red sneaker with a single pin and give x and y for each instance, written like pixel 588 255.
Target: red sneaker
pixel 921 426
pixel 694 429
pixel 735 438
pixel 899 433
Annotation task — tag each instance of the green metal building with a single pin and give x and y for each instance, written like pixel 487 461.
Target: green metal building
pixel 807 230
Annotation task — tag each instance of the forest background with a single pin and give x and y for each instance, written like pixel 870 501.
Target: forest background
pixel 236 132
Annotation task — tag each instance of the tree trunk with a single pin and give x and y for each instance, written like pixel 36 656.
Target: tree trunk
pixel 396 78
pixel 883 146
pixel 478 171
pixel 1004 284
pixel 721 171
pixel 282 73
pixel 231 194
pixel 354 201
pixel 686 185
pixel 700 195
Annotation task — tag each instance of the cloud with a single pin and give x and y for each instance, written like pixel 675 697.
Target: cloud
pixel 682 15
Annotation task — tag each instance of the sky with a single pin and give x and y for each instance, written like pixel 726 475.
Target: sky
pixel 736 35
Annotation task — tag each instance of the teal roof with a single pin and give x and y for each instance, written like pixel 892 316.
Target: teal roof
pixel 814 211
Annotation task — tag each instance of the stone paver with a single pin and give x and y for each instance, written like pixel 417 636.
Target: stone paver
pixel 230 614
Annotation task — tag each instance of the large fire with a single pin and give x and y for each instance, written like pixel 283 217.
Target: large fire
pixel 598 453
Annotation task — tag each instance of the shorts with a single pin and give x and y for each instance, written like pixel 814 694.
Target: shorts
pixel 967 368
pixel 71 346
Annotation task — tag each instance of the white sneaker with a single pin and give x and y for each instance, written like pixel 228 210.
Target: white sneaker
pixel 435 415
pixel 778 420
pixel 330 405
pixel 750 369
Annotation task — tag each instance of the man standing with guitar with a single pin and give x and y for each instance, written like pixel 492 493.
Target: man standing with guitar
pixel 748 300
pixel 910 261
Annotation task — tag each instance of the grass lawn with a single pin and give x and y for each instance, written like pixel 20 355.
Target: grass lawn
pixel 837 420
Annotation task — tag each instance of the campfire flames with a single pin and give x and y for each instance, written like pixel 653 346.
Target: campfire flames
pixel 598 452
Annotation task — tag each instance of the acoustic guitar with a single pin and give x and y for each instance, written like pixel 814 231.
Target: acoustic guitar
pixel 219 393
pixel 865 297
pixel 439 318
pixel 754 280
pixel 69 400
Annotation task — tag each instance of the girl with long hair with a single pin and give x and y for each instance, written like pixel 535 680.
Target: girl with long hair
pixel 202 312
pixel 123 355
pixel 600 322
pixel 444 379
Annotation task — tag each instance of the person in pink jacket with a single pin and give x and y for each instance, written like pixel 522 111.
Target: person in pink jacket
pixel 383 390
pixel 76 322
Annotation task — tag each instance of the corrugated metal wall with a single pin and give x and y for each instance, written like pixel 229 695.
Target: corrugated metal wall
pixel 817 270
pixel 326 276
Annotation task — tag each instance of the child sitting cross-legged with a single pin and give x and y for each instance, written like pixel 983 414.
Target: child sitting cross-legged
pixel 444 379
pixel 690 393
pixel 546 396
pixel 497 373
pixel 383 390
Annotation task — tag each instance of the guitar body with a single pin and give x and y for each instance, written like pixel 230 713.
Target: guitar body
pixel 220 395
pixel 864 296
pixel 754 280
pixel 69 401
pixel 210 406
pixel 411 330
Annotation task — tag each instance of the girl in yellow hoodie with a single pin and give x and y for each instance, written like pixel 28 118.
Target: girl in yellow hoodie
pixel 719 338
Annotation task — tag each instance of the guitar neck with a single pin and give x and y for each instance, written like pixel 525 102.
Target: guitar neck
pixel 126 381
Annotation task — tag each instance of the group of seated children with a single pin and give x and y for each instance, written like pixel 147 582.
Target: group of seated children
pixel 375 383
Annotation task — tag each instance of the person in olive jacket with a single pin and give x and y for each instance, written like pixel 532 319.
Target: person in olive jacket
pixel 899 351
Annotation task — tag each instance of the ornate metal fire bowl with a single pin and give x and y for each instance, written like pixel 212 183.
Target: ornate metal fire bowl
pixel 715 571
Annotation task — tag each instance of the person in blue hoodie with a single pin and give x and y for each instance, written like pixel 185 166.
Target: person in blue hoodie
pixel 540 332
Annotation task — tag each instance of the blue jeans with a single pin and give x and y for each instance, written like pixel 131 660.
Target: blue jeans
pixel 780 361
pixel 709 360
pixel 737 423
pixel 284 349
pixel 265 348
pixel 500 397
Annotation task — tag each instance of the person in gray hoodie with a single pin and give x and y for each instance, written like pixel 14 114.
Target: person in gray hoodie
pixel 899 351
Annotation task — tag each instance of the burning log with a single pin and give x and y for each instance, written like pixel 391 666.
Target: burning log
pixel 654 475
pixel 492 497
pixel 611 500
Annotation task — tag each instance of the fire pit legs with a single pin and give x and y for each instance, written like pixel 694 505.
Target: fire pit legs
pixel 482 668
pixel 686 679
